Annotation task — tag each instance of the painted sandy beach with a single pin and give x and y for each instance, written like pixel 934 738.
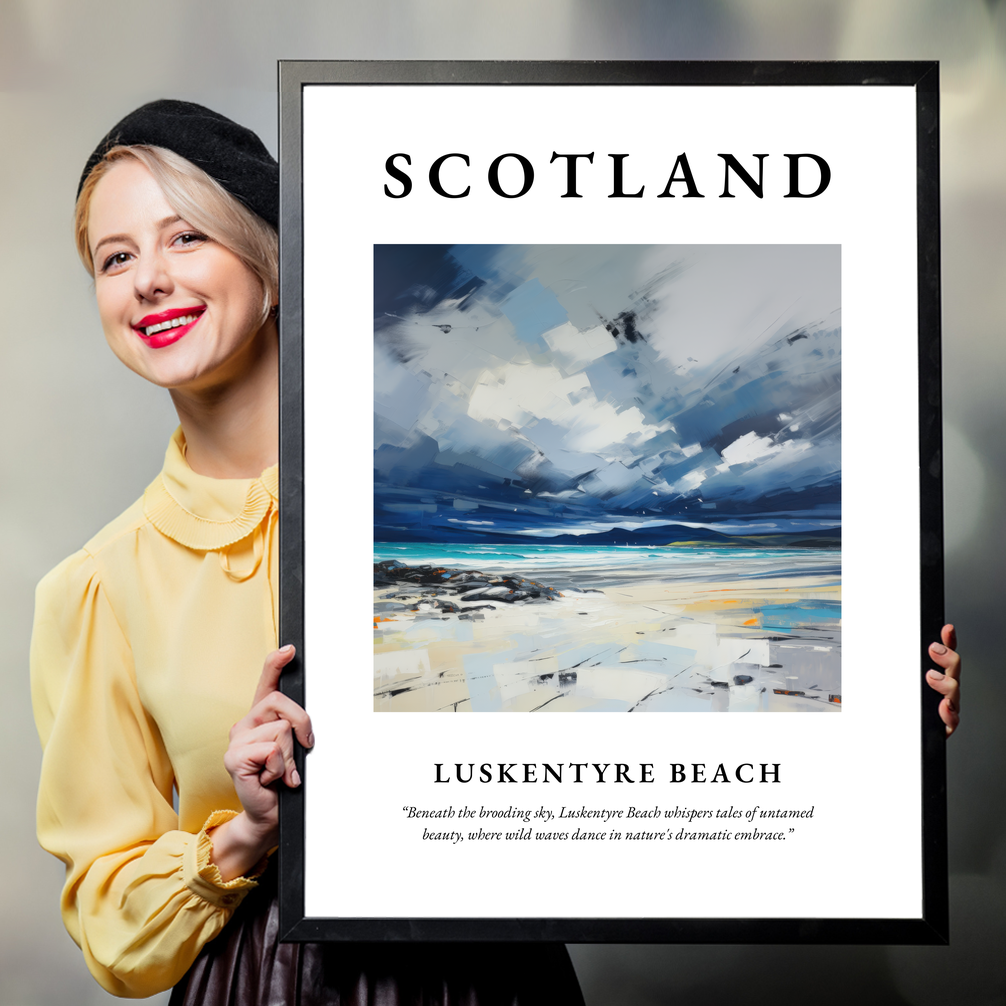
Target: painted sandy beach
pixel 689 628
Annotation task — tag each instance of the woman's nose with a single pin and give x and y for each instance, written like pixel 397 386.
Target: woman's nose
pixel 152 277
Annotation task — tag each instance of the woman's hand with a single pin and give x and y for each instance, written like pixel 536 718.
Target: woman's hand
pixel 947 682
pixel 260 753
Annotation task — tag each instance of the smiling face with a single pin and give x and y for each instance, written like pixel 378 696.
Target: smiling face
pixel 177 307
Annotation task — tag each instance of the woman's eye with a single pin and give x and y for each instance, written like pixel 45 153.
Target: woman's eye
pixel 190 238
pixel 114 261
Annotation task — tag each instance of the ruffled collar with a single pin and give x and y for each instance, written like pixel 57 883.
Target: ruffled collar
pixel 203 513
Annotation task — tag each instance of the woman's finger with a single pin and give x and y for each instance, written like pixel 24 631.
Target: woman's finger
pixel 278 732
pixel 273 766
pixel 949 688
pixel 948 659
pixel 949 712
pixel 950 716
pixel 949 636
pixel 944 684
pixel 277 706
pixel 271 671
pixel 261 760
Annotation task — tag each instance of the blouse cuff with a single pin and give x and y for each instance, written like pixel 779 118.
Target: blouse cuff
pixel 202 876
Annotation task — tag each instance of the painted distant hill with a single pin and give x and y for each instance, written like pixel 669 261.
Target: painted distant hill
pixel 667 535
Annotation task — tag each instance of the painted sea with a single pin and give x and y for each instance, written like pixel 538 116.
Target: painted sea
pixel 473 627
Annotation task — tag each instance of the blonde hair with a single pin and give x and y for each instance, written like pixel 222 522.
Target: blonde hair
pixel 199 200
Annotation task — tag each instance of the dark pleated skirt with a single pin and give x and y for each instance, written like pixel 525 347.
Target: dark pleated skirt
pixel 246 965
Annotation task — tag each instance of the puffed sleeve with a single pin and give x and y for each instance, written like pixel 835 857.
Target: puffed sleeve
pixel 141 898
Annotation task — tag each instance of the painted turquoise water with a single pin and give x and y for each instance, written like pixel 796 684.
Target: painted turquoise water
pixel 565 566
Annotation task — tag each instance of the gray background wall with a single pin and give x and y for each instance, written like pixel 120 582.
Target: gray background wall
pixel 82 436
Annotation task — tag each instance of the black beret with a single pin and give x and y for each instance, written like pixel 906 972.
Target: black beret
pixel 231 154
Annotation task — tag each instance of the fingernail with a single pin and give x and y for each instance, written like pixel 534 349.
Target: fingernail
pixel 936 675
pixel 286 649
pixel 310 740
pixel 938 648
pixel 295 777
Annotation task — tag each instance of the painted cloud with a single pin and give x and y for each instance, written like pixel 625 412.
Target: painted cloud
pixel 560 391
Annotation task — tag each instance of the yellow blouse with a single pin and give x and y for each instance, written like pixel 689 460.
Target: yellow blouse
pixel 147 647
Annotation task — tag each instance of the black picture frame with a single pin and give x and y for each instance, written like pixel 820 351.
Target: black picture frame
pixel 931 927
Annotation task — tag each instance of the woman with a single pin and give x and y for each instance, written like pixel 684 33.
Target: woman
pixel 148 643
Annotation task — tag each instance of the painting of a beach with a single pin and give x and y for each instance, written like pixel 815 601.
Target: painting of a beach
pixel 607 478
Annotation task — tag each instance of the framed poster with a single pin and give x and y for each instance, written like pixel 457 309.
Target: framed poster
pixel 651 356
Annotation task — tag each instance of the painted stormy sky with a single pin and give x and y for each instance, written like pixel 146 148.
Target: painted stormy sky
pixel 594 393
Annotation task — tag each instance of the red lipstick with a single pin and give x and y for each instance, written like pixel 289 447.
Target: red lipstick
pixel 166 327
